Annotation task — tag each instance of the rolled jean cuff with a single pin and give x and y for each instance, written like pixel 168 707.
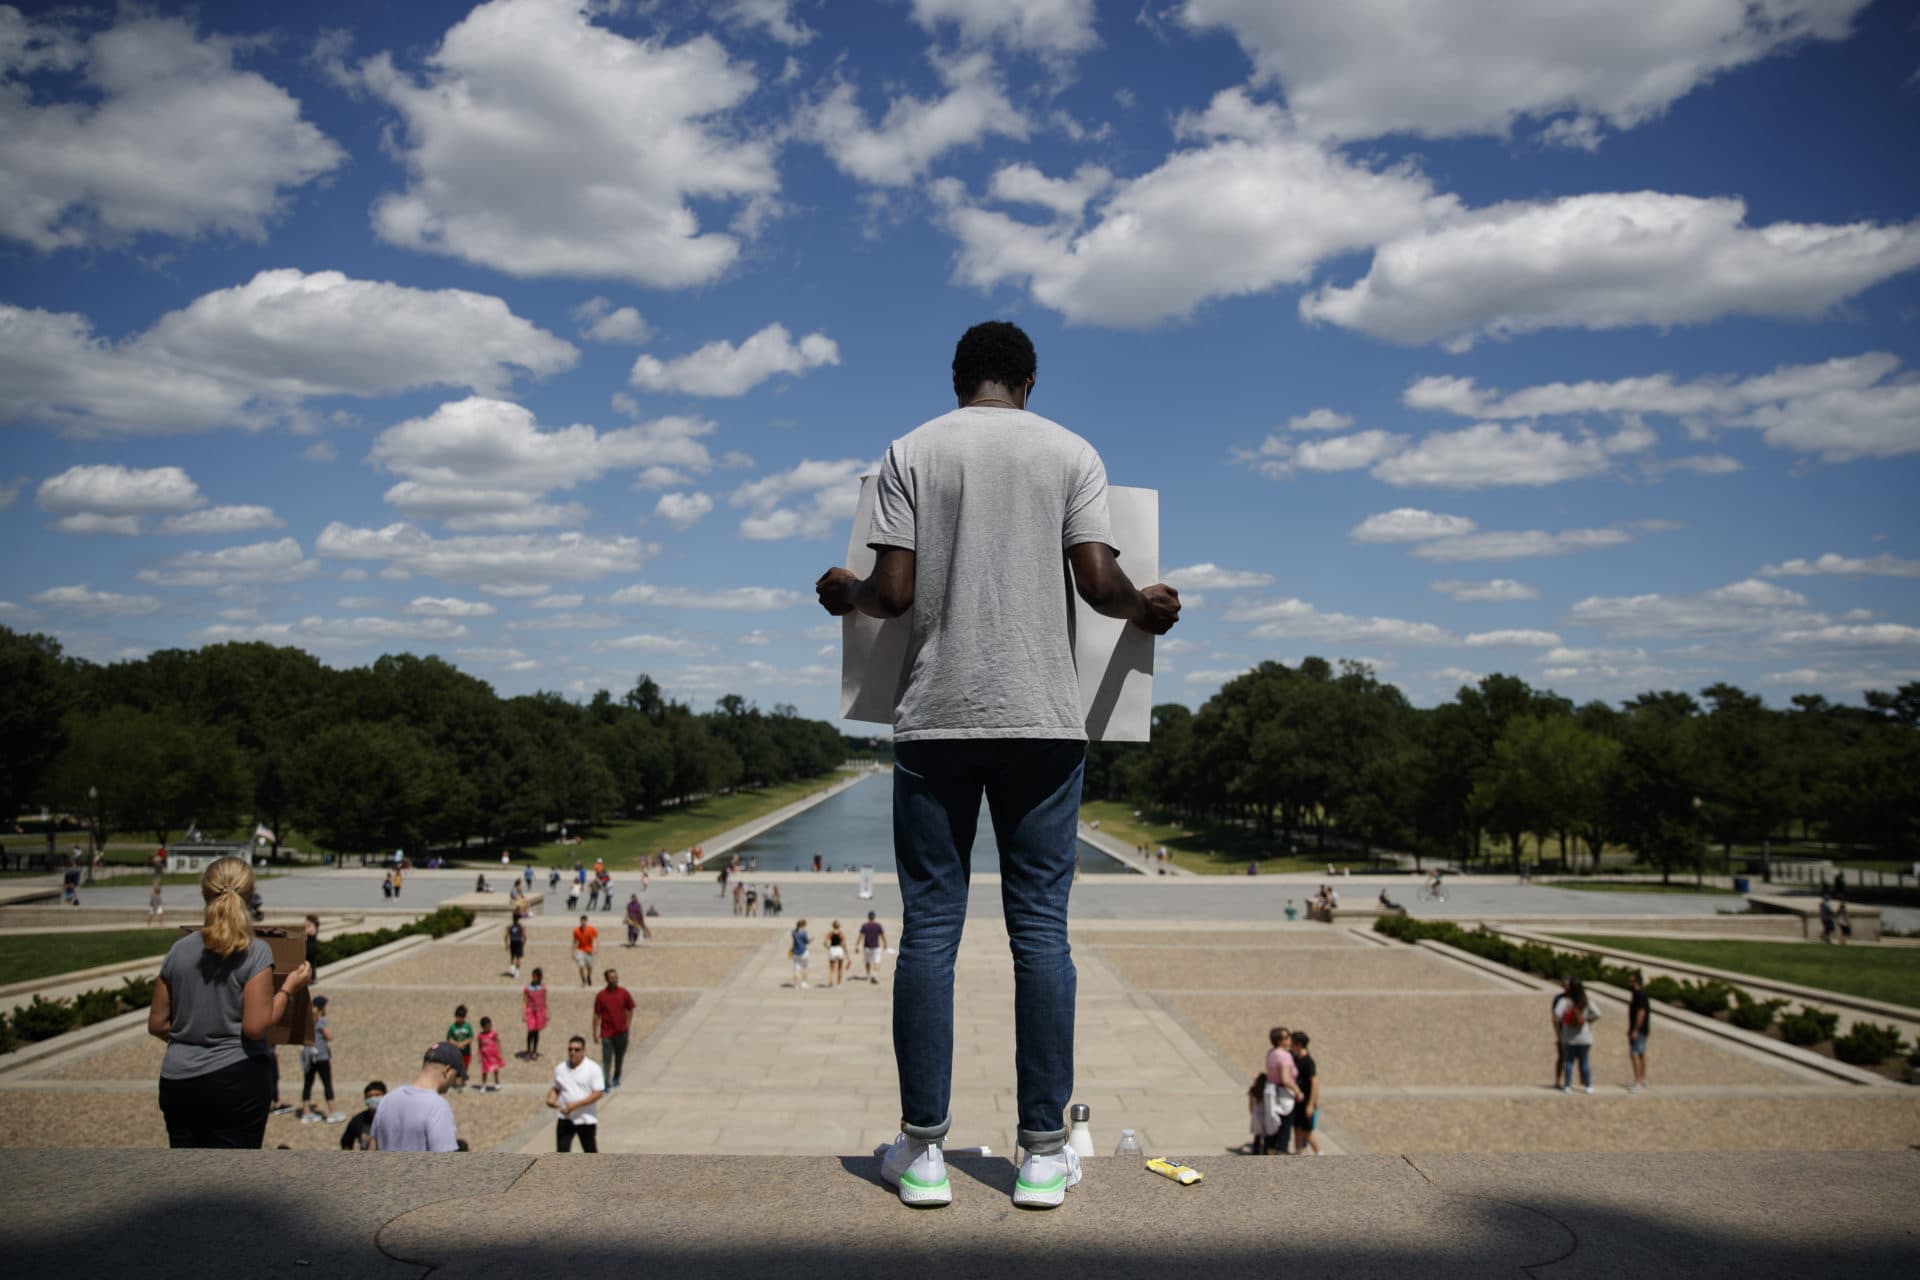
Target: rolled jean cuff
pixel 927 1133
pixel 1043 1144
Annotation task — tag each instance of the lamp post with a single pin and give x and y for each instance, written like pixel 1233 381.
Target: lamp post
pixel 93 830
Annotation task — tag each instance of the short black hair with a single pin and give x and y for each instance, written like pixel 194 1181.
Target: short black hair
pixel 381 1085
pixel 1301 1039
pixel 993 351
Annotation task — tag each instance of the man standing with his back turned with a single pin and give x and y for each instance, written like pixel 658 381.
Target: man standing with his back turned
pixel 977 515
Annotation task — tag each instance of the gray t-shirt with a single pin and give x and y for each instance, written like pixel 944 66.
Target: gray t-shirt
pixel 414 1119
pixel 204 999
pixel 988 500
pixel 321 1050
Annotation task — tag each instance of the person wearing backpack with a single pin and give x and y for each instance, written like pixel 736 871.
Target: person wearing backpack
pixel 1576 1016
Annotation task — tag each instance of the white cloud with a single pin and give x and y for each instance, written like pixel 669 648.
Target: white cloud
pixel 259 562
pixel 320 451
pixel 737 599
pixel 914 132
pixel 354 604
pixel 217 520
pixel 1064 197
pixel 1606 261
pixel 683 510
pixel 10 492
pixel 1294 619
pixel 756 639
pixel 601 321
pixel 1849 407
pixel 557 600
pixel 522 557
pixel 490 656
pixel 568 622
pixel 169 138
pixel 1510 639
pixel 608 141
pixel 826 494
pixel 487 462
pixel 1874 635
pixel 1519 544
pixel 644 643
pixel 86 602
pixel 1364 68
pixel 1253 206
pixel 315 632
pixel 1704 464
pixel 722 369
pixel 1748 606
pixel 112 490
pixel 1496 589
pixel 1882 565
pixel 1208 576
pixel 448 607
pixel 1347 453
pixel 1051 26
pixel 1494 454
pixel 514 518
pixel 1215 676
pixel 775 17
pixel 1320 420
pixel 1410 524
pixel 85 522
pixel 248 355
pixel 514 590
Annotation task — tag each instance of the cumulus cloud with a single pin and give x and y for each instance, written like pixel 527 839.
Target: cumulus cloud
pixel 170 138
pixel 1747 606
pixel 1294 619
pixel 88 603
pixel 486 463
pixel 1848 407
pixel 1606 261
pixel 722 369
pixel 259 562
pixel 1492 454
pixel 217 520
pixel 1495 589
pixel 806 501
pixel 1047 26
pixel 1064 197
pixel 1364 68
pixel 315 632
pixel 611 141
pixel 645 643
pixel 1320 420
pixel 1510 639
pixel 246 356
pixel 682 510
pixel 914 132
pixel 1208 576
pixel 774 17
pixel 558 600
pixel 601 321
pixel 495 558
pixel 1520 544
pixel 1410 524
pixel 113 490
pixel 1347 453
pixel 448 607
pixel 569 622
pixel 1249 206
pixel 735 599
pixel 1882 565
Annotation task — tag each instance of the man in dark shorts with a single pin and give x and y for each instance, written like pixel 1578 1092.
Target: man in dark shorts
pixel 1306 1115
pixel 1639 1017
pixel 516 945
pixel 873 942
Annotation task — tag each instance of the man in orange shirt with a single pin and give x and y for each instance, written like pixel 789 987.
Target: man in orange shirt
pixel 583 939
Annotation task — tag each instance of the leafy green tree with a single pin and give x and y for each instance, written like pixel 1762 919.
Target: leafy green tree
pixel 153 772
pixel 31 717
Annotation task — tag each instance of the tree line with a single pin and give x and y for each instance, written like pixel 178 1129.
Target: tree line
pixel 407 752
pixel 1319 752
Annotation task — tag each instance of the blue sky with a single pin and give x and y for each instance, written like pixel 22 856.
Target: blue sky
pixel 1572 340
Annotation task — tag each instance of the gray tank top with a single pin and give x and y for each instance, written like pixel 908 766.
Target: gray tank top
pixel 205 994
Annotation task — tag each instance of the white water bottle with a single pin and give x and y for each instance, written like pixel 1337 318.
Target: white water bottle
pixel 1079 1137
pixel 1129 1145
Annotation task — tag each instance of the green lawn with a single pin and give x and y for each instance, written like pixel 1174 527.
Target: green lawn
pixel 1637 886
pixel 24 956
pixel 1877 973
pixel 1212 850
pixel 623 843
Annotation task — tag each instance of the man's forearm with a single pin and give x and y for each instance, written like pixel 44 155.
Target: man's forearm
pixel 867 599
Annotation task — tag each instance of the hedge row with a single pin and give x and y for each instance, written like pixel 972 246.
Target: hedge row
pixel 1865 1045
pixel 43 1018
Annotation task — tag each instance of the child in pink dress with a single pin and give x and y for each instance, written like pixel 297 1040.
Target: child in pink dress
pixel 490 1059
pixel 534 1000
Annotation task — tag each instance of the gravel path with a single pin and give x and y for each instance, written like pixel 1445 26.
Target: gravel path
pixel 1283 969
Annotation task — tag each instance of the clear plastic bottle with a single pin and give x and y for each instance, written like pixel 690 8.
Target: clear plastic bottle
pixel 1129 1145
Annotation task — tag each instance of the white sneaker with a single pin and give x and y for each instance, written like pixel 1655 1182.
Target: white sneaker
pixel 1589 1090
pixel 1044 1180
pixel 308 1117
pixel 919 1170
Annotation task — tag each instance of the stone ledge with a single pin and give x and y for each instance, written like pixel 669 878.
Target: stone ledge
pixel 1756 1215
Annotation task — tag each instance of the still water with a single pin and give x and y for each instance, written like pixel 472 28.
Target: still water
pixel 855 828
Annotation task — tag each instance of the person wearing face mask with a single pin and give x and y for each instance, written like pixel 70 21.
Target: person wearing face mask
pixel 360 1128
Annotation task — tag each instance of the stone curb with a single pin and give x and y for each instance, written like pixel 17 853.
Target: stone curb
pixel 1813 995
pixel 88 1036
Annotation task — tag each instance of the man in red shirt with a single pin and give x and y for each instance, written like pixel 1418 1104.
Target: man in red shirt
pixel 612 1015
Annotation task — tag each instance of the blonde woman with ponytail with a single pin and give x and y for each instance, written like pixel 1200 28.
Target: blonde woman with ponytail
pixel 213 1005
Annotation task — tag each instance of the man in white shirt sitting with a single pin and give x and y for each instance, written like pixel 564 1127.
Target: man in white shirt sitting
pixel 578 1086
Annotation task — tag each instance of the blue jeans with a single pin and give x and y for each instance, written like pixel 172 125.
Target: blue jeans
pixel 1032 788
pixel 1579 1053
